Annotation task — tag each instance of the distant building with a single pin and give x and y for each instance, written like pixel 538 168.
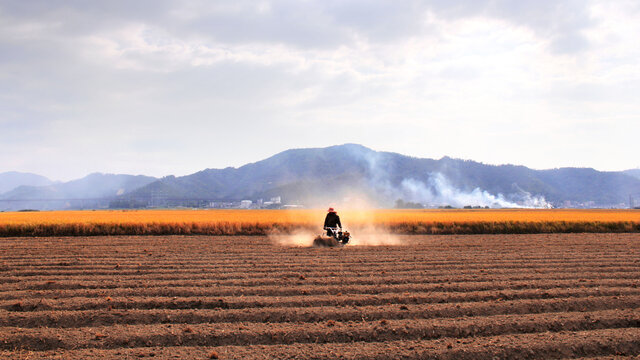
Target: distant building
pixel 245 204
pixel 276 200
pixel 292 206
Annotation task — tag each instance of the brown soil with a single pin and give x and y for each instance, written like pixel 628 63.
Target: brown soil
pixel 442 297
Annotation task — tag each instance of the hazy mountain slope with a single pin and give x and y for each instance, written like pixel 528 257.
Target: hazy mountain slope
pixel 92 186
pixel 633 172
pixel 82 193
pixel 583 184
pixel 349 172
pixel 309 175
pixel 12 179
pixel 288 167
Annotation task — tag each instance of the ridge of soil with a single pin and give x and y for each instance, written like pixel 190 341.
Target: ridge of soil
pixel 438 297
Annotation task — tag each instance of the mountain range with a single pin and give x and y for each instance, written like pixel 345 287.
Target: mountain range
pixel 94 190
pixel 633 172
pixel 348 173
pixel 12 179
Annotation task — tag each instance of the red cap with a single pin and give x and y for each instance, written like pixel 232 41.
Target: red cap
pixel 331 210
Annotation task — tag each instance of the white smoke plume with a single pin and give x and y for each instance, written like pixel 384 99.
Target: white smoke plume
pixel 439 191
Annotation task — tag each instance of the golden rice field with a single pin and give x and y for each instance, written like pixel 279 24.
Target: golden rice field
pixel 260 222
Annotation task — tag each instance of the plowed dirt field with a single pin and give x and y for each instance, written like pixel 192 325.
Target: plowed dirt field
pixel 441 297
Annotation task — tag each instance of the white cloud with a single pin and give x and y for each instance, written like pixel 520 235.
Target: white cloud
pixel 173 86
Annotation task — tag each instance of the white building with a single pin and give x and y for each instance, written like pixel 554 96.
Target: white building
pixel 245 204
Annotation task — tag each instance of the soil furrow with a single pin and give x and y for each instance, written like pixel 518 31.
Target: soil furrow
pixel 187 291
pixel 68 262
pixel 444 297
pixel 311 314
pixel 245 302
pixel 292 286
pixel 329 332
pixel 222 273
pixel 298 280
pixel 610 344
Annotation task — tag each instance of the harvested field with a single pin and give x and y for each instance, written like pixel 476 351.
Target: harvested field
pixel 245 297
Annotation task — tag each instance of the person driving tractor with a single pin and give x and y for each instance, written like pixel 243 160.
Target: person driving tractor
pixel 331 221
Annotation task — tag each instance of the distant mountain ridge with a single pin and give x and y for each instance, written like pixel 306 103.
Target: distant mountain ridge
pixel 633 172
pixel 317 175
pixel 12 179
pixel 348 173
pixel 72 194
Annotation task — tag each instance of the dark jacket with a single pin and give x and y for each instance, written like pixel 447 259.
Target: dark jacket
pixel 332 220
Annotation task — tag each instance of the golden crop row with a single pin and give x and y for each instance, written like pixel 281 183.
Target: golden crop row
pixel 308 216
pixel 254 222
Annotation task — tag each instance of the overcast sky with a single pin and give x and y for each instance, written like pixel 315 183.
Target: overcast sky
pixel 172 87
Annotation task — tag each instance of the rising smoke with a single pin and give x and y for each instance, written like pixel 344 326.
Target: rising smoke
pixel 382 186
pixel 438 190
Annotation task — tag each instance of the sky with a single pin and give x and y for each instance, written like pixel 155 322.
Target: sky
pixel 161 87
